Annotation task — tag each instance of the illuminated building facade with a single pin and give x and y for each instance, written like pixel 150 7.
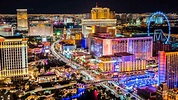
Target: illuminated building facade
pixel 121 62
pixel 141 47
pixel 46 78
pixel 88 23
pixel 167 68
pixel 102 13
pixel 5 30
pixel 99 17
pixel 40 28
pixel 22 19
pixel 13 58
pixel 76 33
pixel 131 65
pixel 69 47
pixel 171 94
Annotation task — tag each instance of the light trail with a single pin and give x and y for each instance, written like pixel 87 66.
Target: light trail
pixel 76 66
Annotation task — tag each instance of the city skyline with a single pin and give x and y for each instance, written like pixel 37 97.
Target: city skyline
pixel 62 7
pixel 57 50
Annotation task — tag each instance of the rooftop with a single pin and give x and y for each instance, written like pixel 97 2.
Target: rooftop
pixel 46 75
pixel 107 56
pixel 149 89
pixel 10 37
pixel 120 54
pixel 69 45
pixel 109 37
pixel 80 54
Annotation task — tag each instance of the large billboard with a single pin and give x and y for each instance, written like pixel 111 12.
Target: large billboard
pixel 97 47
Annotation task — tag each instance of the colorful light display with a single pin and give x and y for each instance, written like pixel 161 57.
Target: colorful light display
pixel 138 81
pixel 141 47
pixel 161 67
pixel 84 43
pixel 97 47
pixel 169 27
pixel 167 68
pixel 116 67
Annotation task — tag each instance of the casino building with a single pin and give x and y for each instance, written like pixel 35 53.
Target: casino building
pixel 141 47
pixel 168 69
pixel 99 17
pixel 121 54
pixel 40 28
pixel 121 62
pixel 13 58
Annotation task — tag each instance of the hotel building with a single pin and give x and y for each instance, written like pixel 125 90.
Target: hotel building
pixel 121 62
pixel 13 58
pixel 40 28
pixel 22 19
pixel 102 13
pixel 168 69
pixel 171 94
pixel 123 54
pixel 99 17
pixel 141 47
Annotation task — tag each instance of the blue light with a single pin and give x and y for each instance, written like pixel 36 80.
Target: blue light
pixel 130 47
pixel 77 95
pixel 138 81
pixel 17 34
pixel 116 67
pixel 47 47
pixel 169 27
pixel 80 90
pixel 84 43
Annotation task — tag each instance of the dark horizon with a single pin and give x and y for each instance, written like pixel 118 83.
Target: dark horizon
pixel 84 6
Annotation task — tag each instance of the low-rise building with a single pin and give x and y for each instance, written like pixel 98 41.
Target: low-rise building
pixel 121 62
pixel 46 78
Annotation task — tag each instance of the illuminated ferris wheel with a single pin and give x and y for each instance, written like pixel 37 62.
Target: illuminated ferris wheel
pixel 158 33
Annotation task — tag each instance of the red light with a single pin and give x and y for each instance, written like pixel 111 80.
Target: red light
pixel 96 95
pixel 115 73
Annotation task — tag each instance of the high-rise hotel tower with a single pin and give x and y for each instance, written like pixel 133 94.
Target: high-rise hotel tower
pixel 22 19
pixel 13 58
pixel 168 68
pixel 100 17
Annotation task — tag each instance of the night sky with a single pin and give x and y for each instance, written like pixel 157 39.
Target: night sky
pixel 84 6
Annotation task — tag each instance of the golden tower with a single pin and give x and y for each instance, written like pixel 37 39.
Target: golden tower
pixel 22 19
